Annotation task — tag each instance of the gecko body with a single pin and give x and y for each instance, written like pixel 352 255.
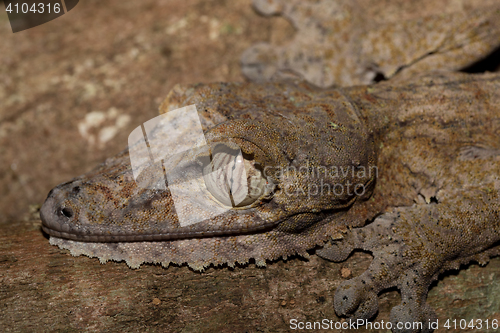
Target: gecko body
pixel 434 203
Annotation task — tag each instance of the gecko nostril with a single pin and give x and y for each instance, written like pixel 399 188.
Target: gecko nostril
pixel 75 190
pixel 66 212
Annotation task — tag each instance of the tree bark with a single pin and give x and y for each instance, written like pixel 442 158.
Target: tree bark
pixel 44 287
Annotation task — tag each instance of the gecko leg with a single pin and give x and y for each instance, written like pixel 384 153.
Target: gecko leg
pixel 411 246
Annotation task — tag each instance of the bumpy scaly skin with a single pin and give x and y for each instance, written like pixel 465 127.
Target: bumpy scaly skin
pixel 346 42
pixel 106 205
pixel 435 204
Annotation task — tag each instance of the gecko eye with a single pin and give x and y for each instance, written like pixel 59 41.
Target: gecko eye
pixel 234 180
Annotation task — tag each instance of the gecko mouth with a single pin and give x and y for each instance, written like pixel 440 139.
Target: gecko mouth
pixel 94 238
pixel 61 220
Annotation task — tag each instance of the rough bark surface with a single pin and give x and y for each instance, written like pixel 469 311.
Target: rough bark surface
pixel 43 288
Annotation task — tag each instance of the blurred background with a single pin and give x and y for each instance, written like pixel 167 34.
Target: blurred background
pixel 72 90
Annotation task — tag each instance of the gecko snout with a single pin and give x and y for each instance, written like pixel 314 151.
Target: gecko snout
pixel 57 211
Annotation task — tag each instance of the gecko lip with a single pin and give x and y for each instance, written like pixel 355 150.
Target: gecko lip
pixel 61 220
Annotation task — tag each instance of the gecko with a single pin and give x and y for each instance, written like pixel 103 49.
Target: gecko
pixel 431 203
pixel 406 169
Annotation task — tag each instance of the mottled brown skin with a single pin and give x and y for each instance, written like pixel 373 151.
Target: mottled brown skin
pixel 433 205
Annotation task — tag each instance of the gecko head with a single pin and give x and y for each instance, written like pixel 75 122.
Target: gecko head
pixel 60 209
pixel 204 194
pixel 246 182
pixel 95 206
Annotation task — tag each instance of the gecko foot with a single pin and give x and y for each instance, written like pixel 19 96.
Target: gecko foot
pixel 403 258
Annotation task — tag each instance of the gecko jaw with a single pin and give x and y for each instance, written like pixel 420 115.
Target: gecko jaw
pixel 61 220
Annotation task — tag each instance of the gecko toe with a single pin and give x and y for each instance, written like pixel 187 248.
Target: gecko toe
pixel 355 299
pixel 399 260
pixel 413 314
pixel 411 317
